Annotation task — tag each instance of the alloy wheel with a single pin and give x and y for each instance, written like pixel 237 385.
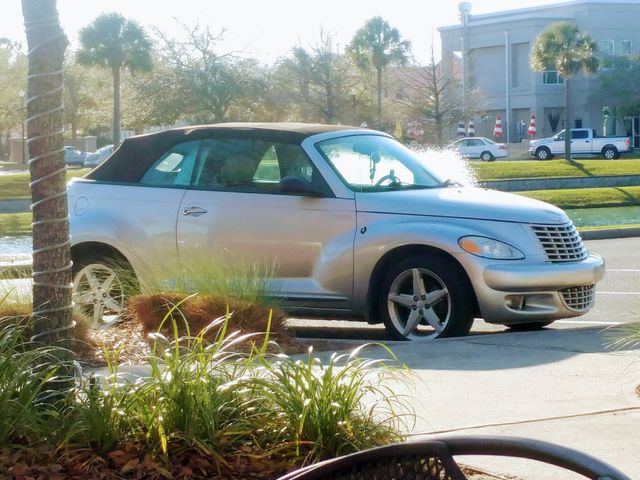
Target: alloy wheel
pixel 419 304
pixel 98 292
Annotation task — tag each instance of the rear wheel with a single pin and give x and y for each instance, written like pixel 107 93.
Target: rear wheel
pixel 426 297
pixel 610 153
pixel 543 153
pixel 101 287
pixel 487 157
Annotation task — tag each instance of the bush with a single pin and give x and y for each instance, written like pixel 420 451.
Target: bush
pixel 204 410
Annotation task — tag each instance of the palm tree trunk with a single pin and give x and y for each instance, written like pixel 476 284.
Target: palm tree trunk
pixel 52 324
pixel 379 87
pixel 116 106
pixel 567 124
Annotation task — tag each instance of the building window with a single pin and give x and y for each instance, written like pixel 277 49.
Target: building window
pixel 625 47
pixel 605 47
pixel 552 77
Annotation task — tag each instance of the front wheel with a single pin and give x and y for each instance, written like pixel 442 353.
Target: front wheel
pixel 425 297
pixel 610 153
pixel 101 286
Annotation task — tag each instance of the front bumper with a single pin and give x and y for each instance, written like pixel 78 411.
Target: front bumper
pixel 525 292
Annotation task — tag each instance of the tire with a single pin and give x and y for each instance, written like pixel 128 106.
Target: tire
pixel 487 157
pixel 543 153
pixel 528 326
pixel 432 290
pixel 101 287
pixel 610 153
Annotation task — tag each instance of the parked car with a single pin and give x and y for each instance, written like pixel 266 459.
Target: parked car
pixel 480 147
pixel 73 156
pixel 353 223
pixel 584 142
pixel 96 158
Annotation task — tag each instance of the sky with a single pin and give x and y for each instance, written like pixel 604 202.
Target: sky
pixel 267 30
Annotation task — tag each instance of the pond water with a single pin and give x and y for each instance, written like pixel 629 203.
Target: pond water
pixel 12 246
pixel 583 217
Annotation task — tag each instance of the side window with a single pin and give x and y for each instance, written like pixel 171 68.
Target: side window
pixel 174 168
pixel 294 162
pixel 268 169
pixel 252 166
pixel 579 134
pixel 227 164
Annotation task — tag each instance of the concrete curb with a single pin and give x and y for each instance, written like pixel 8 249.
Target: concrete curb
pixel 606 234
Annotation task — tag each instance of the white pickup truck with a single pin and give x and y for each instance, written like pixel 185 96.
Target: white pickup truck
pixel 584 141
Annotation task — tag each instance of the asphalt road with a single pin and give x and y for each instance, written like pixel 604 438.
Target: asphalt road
pixel 617 300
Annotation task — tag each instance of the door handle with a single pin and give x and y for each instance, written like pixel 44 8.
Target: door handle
pixel 195 211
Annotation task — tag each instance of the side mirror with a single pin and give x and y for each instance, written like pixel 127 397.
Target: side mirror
pixel 294 185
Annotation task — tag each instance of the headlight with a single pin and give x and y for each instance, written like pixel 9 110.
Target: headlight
pixel 489 248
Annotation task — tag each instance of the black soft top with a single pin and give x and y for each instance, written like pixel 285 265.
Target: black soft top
pixel 136 154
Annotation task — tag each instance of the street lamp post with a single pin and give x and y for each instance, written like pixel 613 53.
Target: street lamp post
pixel 465 9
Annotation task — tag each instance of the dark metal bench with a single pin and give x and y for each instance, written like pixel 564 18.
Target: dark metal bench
pixel 433 460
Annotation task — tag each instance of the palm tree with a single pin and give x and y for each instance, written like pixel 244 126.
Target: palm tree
pixel 114 42
pixel 562 47
pixel 52 324
pixel 377 44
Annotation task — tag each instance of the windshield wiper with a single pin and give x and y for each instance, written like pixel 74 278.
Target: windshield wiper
pixel 450 182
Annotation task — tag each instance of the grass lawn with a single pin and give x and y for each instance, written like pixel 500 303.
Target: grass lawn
pixel 14 224
pixel 554 168
pixel 17 185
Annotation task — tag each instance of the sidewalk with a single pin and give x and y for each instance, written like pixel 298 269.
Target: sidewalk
pixel 561 386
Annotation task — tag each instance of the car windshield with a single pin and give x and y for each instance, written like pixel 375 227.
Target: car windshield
pixel 377 163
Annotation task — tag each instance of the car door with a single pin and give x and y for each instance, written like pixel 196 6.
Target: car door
pixel 462 146
pixel 476 147
pixel 235 214
pixel 580 141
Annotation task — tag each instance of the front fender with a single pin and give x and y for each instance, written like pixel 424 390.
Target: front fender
pixel 381 234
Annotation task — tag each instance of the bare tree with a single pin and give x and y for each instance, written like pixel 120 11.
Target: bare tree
pixel 52 324
pixel 209 82
pixel 322 77
pixel 433 96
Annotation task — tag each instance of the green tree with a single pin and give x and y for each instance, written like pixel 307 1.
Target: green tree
pixel 152 98
pixel 116 43
pixel 47 43
pixel 378 45
pixel 618 86
pixel 563 47
pixel 84 104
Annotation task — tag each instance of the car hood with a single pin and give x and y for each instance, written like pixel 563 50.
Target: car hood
pixel 461 202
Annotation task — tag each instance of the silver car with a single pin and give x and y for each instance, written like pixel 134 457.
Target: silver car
pixel 480 147
pixel 355 225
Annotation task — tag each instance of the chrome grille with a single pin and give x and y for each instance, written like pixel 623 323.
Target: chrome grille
pixel 561 243
pixel 579 299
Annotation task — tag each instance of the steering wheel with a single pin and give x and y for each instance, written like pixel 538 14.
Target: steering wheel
pixel 391 178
